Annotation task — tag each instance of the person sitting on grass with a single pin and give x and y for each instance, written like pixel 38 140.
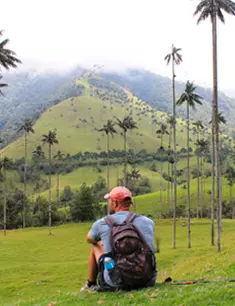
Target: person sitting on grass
pixel 122 253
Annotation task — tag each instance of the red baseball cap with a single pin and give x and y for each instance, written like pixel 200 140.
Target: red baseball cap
pixel 119 193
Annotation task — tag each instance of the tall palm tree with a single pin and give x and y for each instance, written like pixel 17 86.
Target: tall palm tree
pixel 134 176
pixel 175 58
pixel 202 148
pixel 38 156
pixel 126 124
pixel 230 176
pixel 26 127
pixel 5 165
pixel 220 119
pixel 162 131
pixel 199 126
pixel 213 9
pixel 170 122
pixel 190 98
pixel 109 129
pixel 50 139
pixel 7 56
pixel 59 157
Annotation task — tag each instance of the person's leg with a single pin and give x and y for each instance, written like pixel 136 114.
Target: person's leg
pixel 96 251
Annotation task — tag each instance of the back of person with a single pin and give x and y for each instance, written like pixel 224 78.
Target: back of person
pixel 132 246
pixel 144 225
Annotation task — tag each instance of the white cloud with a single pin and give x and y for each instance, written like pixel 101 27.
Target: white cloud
pixel 117 33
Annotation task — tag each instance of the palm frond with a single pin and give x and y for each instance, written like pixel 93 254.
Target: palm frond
pixel 207 8
pixel 189 96
pixel 7 57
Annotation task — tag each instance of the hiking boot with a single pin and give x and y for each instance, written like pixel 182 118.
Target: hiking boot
pixel 86 288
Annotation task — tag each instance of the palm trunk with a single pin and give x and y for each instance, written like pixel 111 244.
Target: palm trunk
pixel 39 189
pixel 5 204
pixel 221 184
pixel 231 194
pixel 198 180
pixel 125 159
pixel 213 182
pixel 161 177
pixel 25 173
pixel 108 169
pixel 188 183
pixel 39 208
pixel 217 151
pixel 169 169
pixel 134 198
pixel 174 140
pixel 50 190
pixel 58 189
pixel 201 190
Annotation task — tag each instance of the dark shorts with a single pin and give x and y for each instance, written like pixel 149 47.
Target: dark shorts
pixel 105 282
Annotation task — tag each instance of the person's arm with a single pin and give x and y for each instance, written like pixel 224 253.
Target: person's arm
pixel 90 239
pixel 93 235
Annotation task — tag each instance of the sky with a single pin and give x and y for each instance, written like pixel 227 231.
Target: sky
pixel 59 34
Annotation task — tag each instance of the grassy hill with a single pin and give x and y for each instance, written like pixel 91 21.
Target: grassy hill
pixel 37 269
pixel 77 118
pixel 157 91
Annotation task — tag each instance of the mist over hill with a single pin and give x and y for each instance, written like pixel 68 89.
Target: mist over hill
pixel 29 94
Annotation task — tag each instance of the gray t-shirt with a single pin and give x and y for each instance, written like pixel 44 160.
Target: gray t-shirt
pixel 100 230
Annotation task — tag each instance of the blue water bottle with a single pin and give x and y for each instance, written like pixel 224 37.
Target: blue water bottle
pixel 109 264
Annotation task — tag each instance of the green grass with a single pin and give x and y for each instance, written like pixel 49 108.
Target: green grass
pixel 37 269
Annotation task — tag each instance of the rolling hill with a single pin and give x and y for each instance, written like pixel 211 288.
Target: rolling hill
pixel 77 119
pixel 30 94
pixel 156 91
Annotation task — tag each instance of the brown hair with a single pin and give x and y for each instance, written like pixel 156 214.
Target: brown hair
pixel 126 203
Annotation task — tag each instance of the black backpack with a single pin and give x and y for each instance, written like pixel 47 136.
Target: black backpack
pixel 133 257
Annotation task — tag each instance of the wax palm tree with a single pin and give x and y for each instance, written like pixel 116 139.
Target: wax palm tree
pixel 59 157
pixel 126 124
pixel 5 165
pixel 199 126
pixel 202 151
pixel 214 9
pixel 175 58
pixel 134 175
pixel 50 139
pixel 162 131
pixel 170 122
pixel 220 119
pixel 230 176
pixel 7 56
pixel 109 129
pixel 190 98
pixel 38 156
pixel 26 127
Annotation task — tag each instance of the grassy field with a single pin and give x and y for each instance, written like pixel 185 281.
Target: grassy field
pixel 37 269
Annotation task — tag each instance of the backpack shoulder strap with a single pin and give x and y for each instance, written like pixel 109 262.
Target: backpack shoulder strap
pixel 110 221
pixel 130 218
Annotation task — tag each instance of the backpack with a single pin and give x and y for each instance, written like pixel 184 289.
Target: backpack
pixel 133 257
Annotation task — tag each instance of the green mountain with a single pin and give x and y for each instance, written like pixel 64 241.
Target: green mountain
pixel 92 100
pixel 157 91
pixel 77 119
pixel 30 94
